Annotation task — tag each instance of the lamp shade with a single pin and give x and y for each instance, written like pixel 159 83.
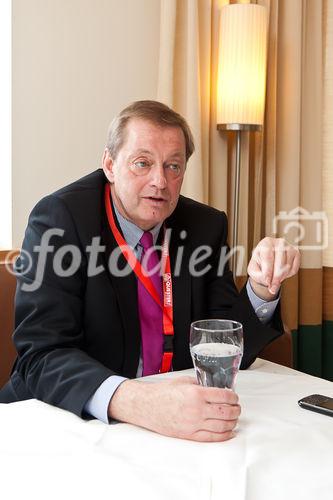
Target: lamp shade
pixel 241 81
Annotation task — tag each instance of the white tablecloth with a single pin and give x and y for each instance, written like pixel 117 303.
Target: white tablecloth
pixel 280 452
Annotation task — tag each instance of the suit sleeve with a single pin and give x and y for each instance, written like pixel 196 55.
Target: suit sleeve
pixel 49 309
pixel 224 301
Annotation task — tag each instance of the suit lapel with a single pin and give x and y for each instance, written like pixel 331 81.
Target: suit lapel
pixel 181 288
pixel 125 288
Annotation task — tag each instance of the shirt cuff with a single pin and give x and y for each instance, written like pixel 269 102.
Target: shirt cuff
pixel 97 406
pixel 264 310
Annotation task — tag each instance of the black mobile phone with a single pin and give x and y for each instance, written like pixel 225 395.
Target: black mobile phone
pixel 318 403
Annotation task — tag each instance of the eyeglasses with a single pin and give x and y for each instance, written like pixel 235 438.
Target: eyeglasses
pixel 171 170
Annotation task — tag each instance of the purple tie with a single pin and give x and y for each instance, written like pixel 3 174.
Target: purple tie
pixel 150 313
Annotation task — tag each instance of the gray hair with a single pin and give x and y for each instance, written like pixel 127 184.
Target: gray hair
pixel 153 111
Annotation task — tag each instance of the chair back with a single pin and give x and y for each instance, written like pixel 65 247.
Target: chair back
pixel 7 292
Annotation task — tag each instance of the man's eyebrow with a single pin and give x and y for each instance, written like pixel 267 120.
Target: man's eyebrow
pixel 141 151
pixel 178 154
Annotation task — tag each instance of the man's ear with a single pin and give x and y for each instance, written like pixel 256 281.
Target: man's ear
pixel 107 165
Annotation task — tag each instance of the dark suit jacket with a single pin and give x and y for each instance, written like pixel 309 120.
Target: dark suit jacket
pixel 74 332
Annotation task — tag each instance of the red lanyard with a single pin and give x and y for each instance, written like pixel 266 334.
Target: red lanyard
pixel 166 306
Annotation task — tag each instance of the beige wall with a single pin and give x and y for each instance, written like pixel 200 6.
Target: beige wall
pixel 75 64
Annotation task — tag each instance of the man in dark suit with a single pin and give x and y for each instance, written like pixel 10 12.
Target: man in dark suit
pixel 81 312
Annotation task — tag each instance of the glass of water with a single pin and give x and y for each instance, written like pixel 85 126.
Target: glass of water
pixel 216 347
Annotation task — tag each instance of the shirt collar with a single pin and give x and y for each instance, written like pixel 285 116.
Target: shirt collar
pixel 132 233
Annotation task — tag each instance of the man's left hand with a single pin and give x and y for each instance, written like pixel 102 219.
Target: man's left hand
pixel 273 260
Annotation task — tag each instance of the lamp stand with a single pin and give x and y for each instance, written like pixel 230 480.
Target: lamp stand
pixel 236 203
pixel 238 128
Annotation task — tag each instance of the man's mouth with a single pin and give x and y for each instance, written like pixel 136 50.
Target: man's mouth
pixel 156 199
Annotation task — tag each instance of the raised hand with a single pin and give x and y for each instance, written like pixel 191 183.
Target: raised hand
pixel 273 260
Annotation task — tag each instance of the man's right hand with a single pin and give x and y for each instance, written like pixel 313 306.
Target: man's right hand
pixel 177 408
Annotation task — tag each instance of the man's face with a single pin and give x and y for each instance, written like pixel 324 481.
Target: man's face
pixel 147 174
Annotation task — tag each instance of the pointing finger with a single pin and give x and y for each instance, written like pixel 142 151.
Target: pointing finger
pixel 280 266
pixel 295 264
pixel 266 255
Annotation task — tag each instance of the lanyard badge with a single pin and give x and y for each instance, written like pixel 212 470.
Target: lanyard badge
pixel 167 304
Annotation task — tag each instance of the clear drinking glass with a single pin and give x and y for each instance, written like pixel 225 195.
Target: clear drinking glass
pixel 216 347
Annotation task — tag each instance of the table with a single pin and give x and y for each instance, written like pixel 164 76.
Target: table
pixel 280 452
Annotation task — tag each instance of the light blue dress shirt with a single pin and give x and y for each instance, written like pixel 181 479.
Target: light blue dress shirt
pixel 97 405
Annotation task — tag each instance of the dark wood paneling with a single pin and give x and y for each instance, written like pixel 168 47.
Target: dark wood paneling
pixel 7 350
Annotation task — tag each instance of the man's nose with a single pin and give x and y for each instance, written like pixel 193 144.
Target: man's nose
pixel 157 177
